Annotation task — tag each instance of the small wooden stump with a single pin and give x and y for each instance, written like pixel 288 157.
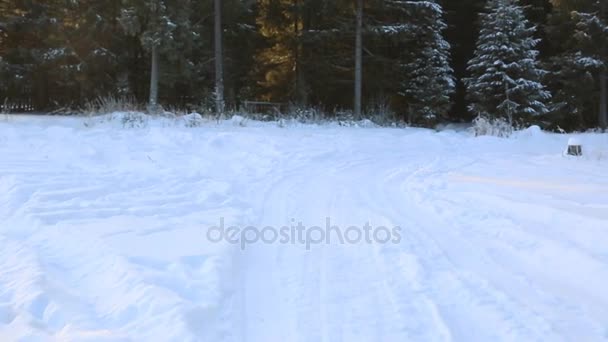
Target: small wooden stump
pixel 575 147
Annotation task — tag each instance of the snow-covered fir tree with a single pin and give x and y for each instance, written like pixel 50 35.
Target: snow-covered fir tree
pixel 428 80
pixel 421 73
pixel 592 33
pixel 505 76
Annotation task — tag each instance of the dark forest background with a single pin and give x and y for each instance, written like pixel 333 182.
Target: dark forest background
pixel 63 54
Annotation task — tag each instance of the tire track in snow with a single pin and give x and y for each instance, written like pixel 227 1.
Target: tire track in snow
pixel 455 291
pixel 331 293
pixel 511 241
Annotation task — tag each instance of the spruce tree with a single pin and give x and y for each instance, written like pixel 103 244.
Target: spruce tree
pixel 306 51
pixel 428 81
pixel 592 34
pixel 31 51
pixel 410 58
pixel 149 20
pixel 505 76
pixel 97 42
pixel 575 38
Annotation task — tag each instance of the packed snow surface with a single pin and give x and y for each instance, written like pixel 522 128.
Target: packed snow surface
pixel 104 233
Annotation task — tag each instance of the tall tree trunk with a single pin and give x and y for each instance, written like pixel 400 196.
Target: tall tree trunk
pixel 219 60
pixel 359 60
pixel 300 89
pixel 153 102
pixel 603 115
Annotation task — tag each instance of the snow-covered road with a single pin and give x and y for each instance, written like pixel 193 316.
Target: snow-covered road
pixel 104 234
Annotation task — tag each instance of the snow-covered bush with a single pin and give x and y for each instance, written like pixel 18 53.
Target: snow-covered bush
pixel 125 119
pixel 192 120
pixel 497 127
pixel 306 114
pixel 133 119
pixel 238 120
pixel 345 118
pixel 366 123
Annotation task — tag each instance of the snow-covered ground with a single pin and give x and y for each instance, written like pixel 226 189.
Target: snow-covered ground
pixel 103 234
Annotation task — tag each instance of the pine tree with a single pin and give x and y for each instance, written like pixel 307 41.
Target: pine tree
pixel 92 34
pixel 592 33
pixel 428 80
pixel 576 34
pixel 188 73
pixel 281 64
pixel 32 51
pixel 149 20
pixel 409 58
pixel 461 17
pixel 505 77
pixel 603 23
pixel 219 57
pixel 390 49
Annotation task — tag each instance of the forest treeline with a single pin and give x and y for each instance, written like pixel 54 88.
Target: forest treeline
pixel 422 61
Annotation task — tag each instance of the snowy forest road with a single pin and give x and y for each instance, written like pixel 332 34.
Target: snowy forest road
pixel 105 234
pixel 467 255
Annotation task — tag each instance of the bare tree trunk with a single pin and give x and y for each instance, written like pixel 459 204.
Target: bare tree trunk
pixel 603 118
pixel 359 60
pixel 300 93
pixel 603 115
pixel 219 60
pixel 153 102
